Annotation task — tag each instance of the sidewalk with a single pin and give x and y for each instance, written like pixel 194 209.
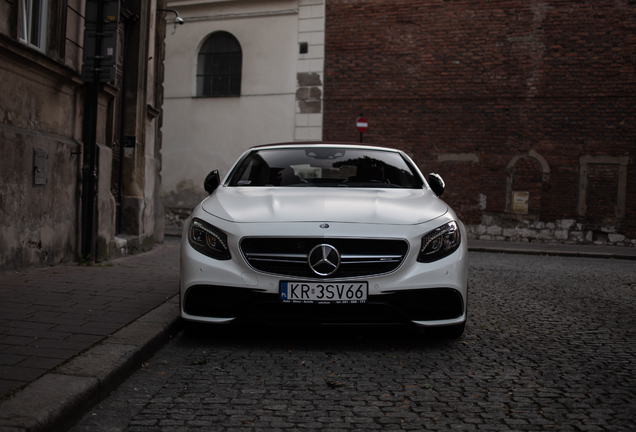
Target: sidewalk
pixel 72 334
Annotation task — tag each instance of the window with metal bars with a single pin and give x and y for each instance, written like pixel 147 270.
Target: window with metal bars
pixel 219 66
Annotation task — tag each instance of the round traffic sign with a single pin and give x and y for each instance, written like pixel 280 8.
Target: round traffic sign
pixel 361 124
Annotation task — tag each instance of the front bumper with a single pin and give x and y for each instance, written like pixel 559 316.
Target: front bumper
pixel 424 294
pixel 225 304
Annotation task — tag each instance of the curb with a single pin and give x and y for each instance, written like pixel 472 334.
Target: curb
pixel 57 400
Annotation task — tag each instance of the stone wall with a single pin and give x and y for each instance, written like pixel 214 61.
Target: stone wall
pixel 566 231
pixel 176 216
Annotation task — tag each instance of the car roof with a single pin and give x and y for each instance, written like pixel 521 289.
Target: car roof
pixel 341 144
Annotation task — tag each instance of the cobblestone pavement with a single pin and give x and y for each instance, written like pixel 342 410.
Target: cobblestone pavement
pixel 549 346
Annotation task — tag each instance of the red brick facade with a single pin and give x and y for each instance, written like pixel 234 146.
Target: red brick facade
pixel 496 96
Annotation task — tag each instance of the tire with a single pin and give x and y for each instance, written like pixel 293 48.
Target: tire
pixel 447 332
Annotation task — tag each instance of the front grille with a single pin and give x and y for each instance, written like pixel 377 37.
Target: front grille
pixel 358 257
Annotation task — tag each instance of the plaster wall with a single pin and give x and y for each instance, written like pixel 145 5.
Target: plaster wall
pixel 74 34
pixel 211 137
pixel 39 118
pixel 150 180
pixel 105 203
pixel 37 223
pixel 205 133
pixel 5 13
pixel 34 98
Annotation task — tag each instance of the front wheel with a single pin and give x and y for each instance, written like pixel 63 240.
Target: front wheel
pixel 447 332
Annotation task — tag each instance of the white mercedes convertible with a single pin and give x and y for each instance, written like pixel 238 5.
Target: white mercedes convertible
pixel 325 233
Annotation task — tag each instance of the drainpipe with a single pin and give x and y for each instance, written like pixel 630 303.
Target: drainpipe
pixel 89 168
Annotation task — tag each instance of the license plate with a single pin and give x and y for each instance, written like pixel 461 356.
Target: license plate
pixel 324 292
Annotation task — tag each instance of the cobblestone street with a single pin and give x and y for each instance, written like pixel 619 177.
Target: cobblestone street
pixel 549 346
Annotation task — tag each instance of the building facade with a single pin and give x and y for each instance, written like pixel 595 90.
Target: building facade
pixel 239 73
pixel 526 108
pixel 43 135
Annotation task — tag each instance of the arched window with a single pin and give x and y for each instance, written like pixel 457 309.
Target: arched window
pixel 219 66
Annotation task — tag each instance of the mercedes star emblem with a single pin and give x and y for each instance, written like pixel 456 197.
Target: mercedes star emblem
pixel 324 260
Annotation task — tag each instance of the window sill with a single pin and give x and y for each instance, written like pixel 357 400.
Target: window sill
pixel 38 61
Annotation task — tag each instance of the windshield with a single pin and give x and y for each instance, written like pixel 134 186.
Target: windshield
pixel 324 167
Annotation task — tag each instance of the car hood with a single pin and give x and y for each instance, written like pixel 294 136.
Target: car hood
pixel 374 206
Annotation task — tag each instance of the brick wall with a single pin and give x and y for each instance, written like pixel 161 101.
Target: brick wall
pixel 496 96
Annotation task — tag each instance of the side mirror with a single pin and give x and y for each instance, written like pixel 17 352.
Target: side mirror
pixel 436 183
pixel 212 181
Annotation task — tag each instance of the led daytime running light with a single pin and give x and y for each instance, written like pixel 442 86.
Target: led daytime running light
pixel 212 232
pixel 208 240
pixel 435 234
pixel 440 242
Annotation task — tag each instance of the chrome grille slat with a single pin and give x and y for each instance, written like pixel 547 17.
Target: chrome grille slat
pixel 373 258
pixel 368 262
pixel 279 257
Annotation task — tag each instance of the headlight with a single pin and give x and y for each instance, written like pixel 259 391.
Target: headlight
pixel 208 240
pixel 440 243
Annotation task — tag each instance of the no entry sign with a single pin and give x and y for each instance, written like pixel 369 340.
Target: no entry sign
pixel 361 124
